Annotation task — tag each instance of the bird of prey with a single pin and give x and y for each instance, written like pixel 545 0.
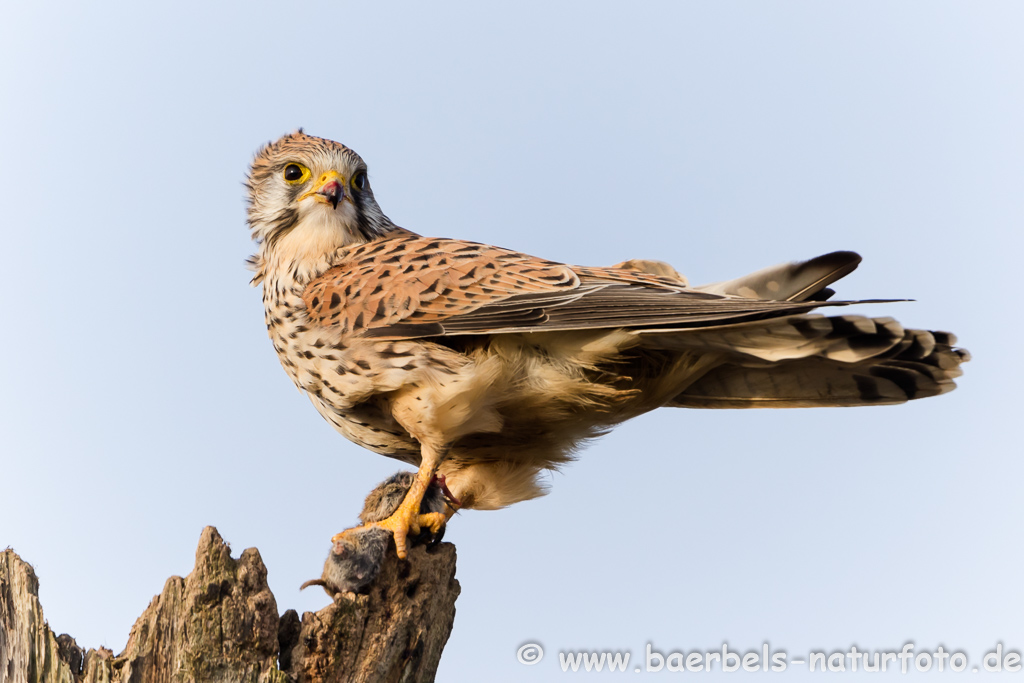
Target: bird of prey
pixel 486 366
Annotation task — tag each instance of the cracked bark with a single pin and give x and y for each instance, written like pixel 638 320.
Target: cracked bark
pixel 220 623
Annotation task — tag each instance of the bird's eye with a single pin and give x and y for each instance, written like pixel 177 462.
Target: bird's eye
pixel 359 181
pixel 295 173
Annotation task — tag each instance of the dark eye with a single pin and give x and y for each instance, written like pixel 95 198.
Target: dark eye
pixel 359 181
pixel 292 172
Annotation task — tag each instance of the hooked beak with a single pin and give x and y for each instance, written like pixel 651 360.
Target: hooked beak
pixel 330 190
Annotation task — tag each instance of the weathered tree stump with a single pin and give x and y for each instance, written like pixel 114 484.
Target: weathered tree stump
pixel 220 623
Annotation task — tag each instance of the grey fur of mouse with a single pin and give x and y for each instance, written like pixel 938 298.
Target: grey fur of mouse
pixel 354 561
pixel 382 501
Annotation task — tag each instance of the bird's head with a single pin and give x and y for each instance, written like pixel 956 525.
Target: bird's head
pixel 309 196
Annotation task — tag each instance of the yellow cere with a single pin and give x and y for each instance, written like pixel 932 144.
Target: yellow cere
pixel 329 176
pixel 325 178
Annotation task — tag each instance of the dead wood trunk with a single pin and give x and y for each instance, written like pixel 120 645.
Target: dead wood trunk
pixel 220 623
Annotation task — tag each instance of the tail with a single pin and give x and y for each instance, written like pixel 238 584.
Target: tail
pixel 811 360
pixel 916 364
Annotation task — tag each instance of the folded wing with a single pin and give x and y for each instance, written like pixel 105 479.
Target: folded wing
pixel 410 286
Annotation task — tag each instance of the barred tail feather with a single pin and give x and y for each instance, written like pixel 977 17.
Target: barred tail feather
pixel 845 338
pixel 920 365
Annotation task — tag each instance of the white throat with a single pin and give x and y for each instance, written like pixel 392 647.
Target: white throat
pixel 304 251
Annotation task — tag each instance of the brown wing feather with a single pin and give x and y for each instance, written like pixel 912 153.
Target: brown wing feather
pixel 410 286
pixel 420 281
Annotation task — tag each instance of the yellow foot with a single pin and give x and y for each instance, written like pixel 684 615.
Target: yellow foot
pixel 401 526
pixel 434 521
pixel 407 521
pixel 407 518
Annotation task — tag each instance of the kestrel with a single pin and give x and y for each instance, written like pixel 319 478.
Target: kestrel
pixel 486 366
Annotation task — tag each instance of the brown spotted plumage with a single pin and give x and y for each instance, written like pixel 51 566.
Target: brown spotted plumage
pixel 406 286
pixel 489 366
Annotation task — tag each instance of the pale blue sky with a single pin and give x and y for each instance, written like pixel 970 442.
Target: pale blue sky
pixel 140 398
